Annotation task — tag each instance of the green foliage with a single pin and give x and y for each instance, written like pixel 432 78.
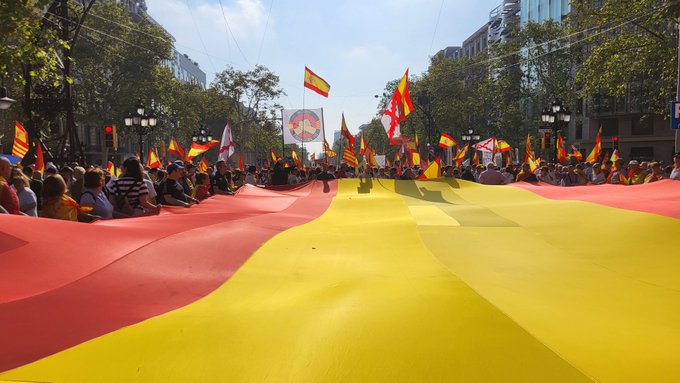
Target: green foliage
pixel 630 50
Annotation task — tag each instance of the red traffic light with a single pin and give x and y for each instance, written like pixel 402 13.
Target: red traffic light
pixel 616 138
pixel 547 136
pixel 108 129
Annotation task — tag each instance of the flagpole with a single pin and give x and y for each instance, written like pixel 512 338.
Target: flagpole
pixel 303 113
pixel 283 141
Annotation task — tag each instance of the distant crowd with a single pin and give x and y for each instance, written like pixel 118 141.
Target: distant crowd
pixel 87 193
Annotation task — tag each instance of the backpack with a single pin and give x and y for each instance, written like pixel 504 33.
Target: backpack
pixel 121 203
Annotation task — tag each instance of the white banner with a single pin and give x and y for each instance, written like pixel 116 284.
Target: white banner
pixel 302 126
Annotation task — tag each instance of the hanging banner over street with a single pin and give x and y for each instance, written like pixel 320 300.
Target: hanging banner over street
pixel 302 126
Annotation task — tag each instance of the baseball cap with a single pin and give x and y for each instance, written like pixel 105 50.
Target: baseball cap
pixel 172 167
pixel 633 162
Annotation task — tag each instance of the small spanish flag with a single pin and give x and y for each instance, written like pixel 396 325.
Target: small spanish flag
pixel 433 170
pixel 316 83
pixel 275 156
pixel 20 147
pixel 446 141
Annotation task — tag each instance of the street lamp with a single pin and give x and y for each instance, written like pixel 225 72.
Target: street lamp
pixel 202 136
pixel 469 137
pixel 5 102
pixel 142 123
pixel 555 115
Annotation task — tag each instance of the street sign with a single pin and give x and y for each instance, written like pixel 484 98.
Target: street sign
pixel 544 129
pixel 675 115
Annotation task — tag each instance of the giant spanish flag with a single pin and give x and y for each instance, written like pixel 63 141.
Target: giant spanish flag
pixel 357 280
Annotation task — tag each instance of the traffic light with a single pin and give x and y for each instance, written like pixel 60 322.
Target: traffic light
pixel 616 142
pixel 547 136
pixel 110 137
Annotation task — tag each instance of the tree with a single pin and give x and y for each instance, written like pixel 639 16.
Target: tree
pixel 631 50
pixel 253 94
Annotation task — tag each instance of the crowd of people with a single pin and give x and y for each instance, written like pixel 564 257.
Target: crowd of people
pixel 87 193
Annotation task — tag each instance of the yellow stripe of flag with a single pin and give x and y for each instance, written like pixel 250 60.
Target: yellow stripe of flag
pixel 316 83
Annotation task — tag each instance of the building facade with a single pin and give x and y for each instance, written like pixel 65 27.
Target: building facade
pixel 477 43
pixel 503 20
pixel 543 10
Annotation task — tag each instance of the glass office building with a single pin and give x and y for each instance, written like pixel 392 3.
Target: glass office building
pixel 542 10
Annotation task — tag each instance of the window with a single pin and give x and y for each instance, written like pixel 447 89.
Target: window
pixel 642 153
pixel 643 125
pixel 610 127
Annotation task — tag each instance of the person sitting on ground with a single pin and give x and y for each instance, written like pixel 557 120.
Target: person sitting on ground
pixel 58 205
pixel 597 177
pixel 202 189
pixel 8 197
pixel 491 176
pixel 28 202
pixel 129 194
pixel 525 175
pixel 171 191
pixel 93 195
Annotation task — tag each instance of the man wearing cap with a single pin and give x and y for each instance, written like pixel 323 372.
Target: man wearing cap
pixel 636 176
pixel 171 191
pixel 675 174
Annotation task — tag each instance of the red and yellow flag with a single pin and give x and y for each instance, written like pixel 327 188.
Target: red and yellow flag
pixel 529 152
pixel 152 160
pixel 39 159
pixel 175 149
pixel 296 159
pixel 576 153
pixel 111 168
pixel 595 153
pixel 446 141
pixel 460 155
pixel 203 165
pixel 241 166
pixel 364 145
pixel 475 158
pixel 327 150
pixel 316 83
pixel 198 149
pixel 561 154
pixel 20 147
pixel 346 133
pixel 434 170
pixel 615 156
pixel 349 157
pixel 415 158
pixel 275 156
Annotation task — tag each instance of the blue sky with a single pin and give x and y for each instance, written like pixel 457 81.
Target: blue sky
pixel 357 46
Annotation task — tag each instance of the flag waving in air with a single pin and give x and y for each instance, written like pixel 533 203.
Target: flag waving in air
pixel 39 159
pixel 561 153
pixel 460 155
pixel 597 150
pixel 576 153
pixel 227 144
pixel 349 157
pixel 446 141
pixel 399 107
pixel 197 149
pixel 203 165
pixel 20 147
pixel 327 149
pixel 364 145
pixel 175 149
pixel 275 156
pixel 316 83
pixel 346 133
pixel 433 170
pixel 152 160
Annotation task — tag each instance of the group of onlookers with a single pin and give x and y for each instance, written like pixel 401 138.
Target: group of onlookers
pixel 78 193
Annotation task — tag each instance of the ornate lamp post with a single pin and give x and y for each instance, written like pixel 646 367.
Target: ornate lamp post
pixel 142 124
pixel 202 136
pixel 469 137
pixel 555 116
